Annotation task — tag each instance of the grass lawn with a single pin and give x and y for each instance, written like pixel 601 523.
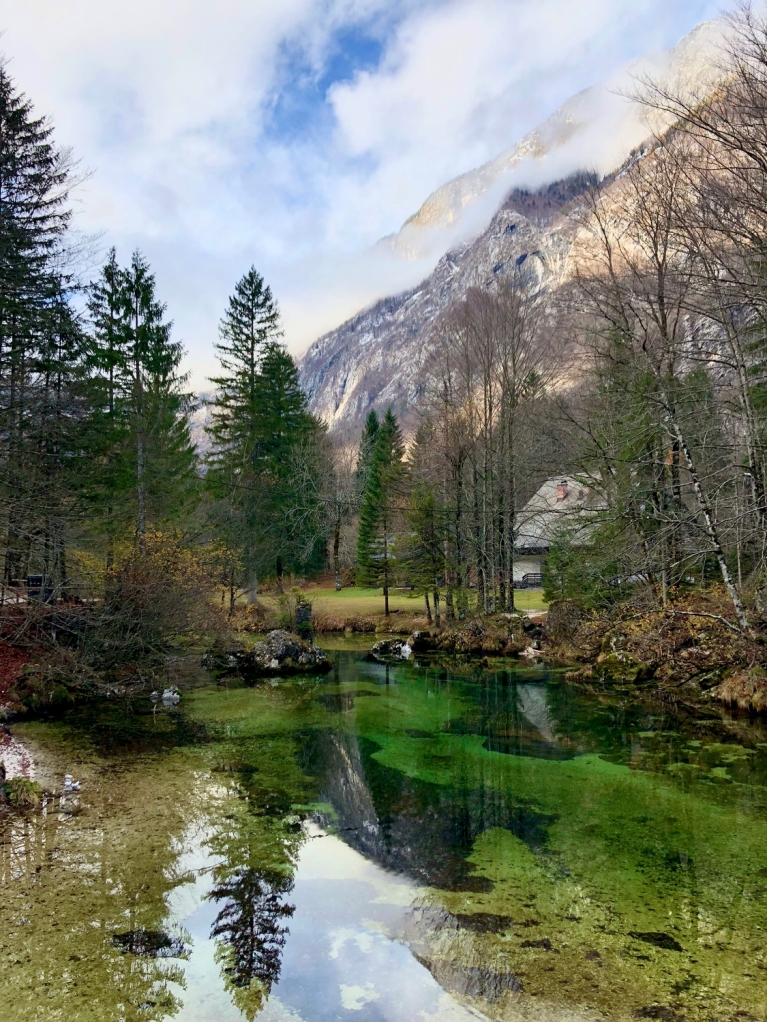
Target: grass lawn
pixel 370 601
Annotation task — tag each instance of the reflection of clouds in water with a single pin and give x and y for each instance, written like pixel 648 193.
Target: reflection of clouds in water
pixel 345 950
pixel 275 1011
pixel 357 912
pixel 363 940
pixel 355 998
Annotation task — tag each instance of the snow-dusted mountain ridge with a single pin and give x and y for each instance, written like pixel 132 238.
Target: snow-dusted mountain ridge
pixel 485 221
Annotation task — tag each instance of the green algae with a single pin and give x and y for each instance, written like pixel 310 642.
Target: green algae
pixel 627 878
pixel 109 860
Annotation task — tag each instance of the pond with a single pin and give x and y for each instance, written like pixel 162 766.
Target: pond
pixel 390 843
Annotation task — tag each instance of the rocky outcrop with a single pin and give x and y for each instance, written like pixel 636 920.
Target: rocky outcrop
pixel 391 651
pixel 510 635
pixel 280 653
pixel 378 358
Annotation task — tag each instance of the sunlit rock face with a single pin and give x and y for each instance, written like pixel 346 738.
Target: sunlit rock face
pixel 378 358
pixel 489 222
pixel 599 121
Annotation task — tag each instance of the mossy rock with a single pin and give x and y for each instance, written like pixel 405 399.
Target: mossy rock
pixel 623 668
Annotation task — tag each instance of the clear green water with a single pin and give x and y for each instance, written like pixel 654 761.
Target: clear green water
pixel 390 844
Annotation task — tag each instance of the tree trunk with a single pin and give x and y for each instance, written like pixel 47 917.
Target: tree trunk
pixel 386 568
pixel 336 553
pixel 712 532
pixel 428 606
pixel 253 588
pixel 141 519
pixel 481 572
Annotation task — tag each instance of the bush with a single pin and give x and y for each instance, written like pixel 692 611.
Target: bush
pixel 156 603
pixel 22 793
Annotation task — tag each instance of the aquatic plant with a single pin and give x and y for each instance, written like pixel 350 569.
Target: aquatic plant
pixel 23 793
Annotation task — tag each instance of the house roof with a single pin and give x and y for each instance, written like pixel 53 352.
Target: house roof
pixel 560 503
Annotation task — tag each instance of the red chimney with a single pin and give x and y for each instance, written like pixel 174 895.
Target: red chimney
pixel 562 490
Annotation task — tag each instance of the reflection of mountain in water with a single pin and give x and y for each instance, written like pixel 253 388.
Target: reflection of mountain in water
pixel 408 825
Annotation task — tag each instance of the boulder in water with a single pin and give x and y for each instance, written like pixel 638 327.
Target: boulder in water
pixel 281 653
pixel 391 650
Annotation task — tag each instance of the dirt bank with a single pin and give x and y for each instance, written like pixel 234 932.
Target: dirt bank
pixel 691 649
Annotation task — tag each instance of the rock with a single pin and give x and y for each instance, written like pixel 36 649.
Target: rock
pixel 531 653
pixel 623 668
pixel 219 658
pixel 282 653
pixel 563 620
pixel 421 641
pixel 532 629
pixel 391 649
pixel 171 696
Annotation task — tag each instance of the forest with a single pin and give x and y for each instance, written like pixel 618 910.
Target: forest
pixel 127 537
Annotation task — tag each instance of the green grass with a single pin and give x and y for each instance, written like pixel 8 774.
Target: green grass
pixel 355 600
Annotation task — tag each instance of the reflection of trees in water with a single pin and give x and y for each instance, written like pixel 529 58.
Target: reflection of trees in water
pixel 251 927
pixel 256 841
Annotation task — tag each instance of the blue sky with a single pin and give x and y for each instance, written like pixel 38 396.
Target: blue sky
pixel 293 135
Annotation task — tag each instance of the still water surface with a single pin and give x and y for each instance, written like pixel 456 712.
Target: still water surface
pixel 395 844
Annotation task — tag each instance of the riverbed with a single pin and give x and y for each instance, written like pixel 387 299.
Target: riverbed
pixel 389 843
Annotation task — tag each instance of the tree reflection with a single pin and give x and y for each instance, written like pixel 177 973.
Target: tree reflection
pixel 251 928
pixel 256 839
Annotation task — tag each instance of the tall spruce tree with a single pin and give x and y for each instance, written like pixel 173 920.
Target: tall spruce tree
pixel 109 476
pixel 367 446
pixel 379 511
pixel 40 343
pixel 145 472
pixel 259 421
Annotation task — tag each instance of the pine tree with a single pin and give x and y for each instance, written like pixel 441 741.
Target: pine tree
pixel 367 446
pixel 378 513
pixel 39 340
pixel 258 424
pixel 423 548
pixel 146 466
pixel 251 321
pixel 109 478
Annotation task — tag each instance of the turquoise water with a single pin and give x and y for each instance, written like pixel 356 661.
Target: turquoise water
pixel 390 844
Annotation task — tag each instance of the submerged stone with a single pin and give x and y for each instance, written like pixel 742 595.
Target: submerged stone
pixel 149 944
pixel 342 702
pixel 658 1011
pixel 662 940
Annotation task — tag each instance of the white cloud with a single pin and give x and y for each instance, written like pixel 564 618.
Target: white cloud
pixel 168 102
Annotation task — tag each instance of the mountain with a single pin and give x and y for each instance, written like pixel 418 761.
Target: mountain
pixel 512 211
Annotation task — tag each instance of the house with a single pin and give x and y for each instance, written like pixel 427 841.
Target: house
pixel 560 503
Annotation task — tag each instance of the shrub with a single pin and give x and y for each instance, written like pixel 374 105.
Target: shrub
pixel 23 793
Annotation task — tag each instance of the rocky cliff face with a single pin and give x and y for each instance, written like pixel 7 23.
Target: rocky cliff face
pixel 377 358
